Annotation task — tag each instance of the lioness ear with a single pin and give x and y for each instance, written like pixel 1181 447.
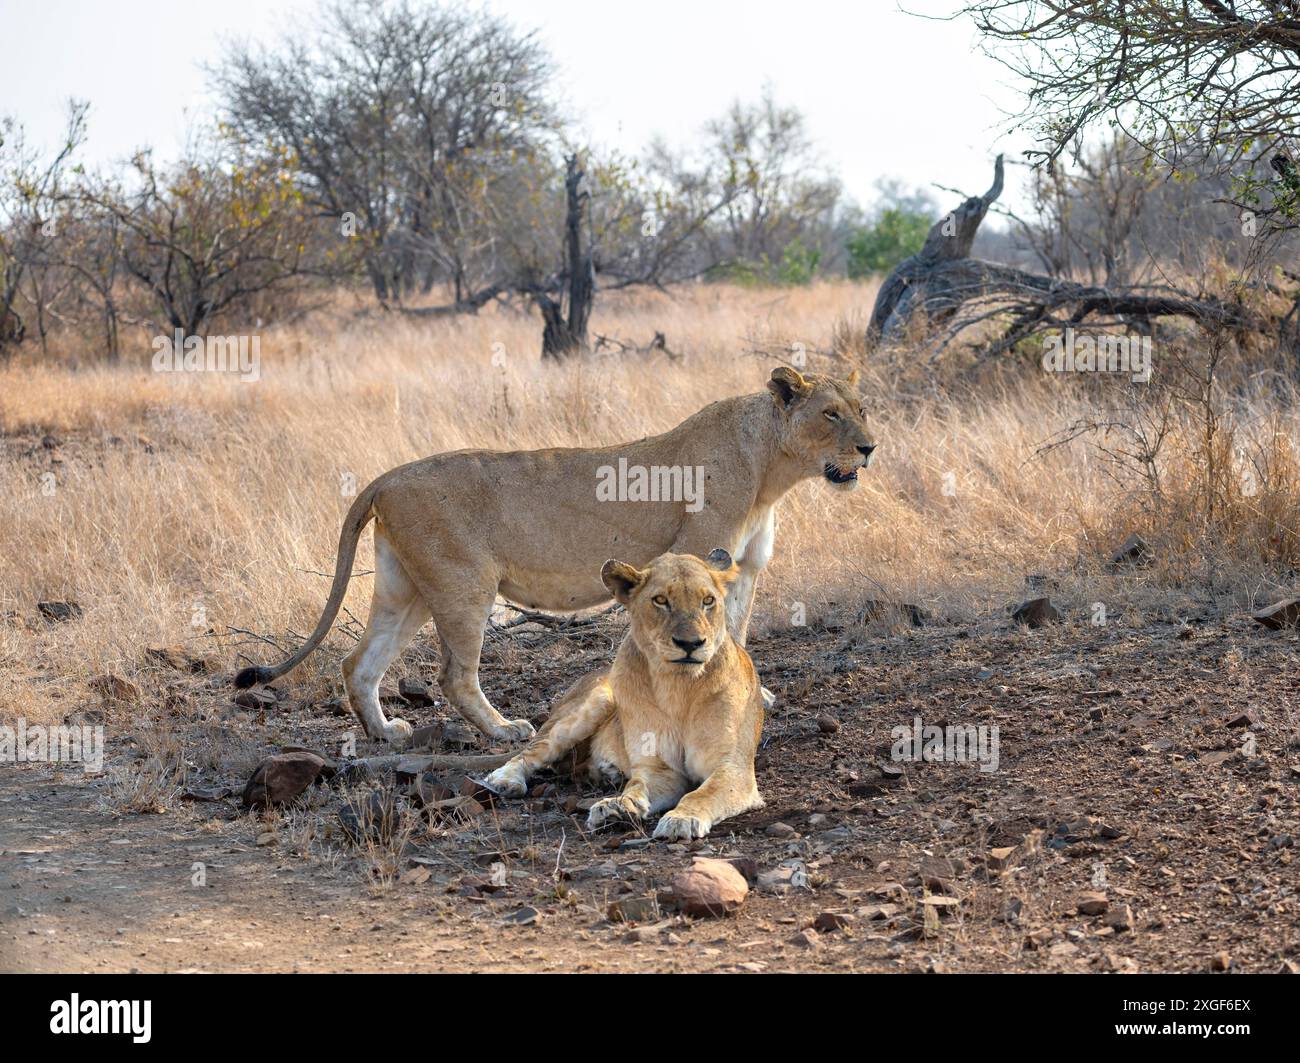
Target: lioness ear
pixel 621 579
pixel 719 559
pixel 787 385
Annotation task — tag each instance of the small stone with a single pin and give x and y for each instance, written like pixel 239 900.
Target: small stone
pixel 116 690
pixel 826 922
pixel 523 917
pixel 806 939
pixel 709 888
pixel 1091 902
pixel 780 830
pixel 828 725
pixel 1002 858
pixel 415 692
pixel 59 612
pixel 1120 918
pixel 1134 551
pixel 1036 613
pixel 633 910
pixel 266 838
pixel 281 778
pixel 1246 718
pixel 1285 613
pixel 416 876
pixel 1220 961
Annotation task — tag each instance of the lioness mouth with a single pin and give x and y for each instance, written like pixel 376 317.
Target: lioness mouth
pixel 838 476
pixel 684 660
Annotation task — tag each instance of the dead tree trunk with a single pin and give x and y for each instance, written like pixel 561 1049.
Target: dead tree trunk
pixel 565 327
pixel 926 280
pixel 942 277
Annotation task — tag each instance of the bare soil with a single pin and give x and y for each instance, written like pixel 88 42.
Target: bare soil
pixel 1123 769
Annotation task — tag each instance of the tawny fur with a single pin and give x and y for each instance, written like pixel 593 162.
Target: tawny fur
pixel 682 735
pixel 455 530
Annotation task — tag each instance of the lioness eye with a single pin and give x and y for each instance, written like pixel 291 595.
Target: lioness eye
pixel 709 600
pixel 659 599
pixel 831 415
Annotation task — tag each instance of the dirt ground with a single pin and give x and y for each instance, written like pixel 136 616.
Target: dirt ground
pixel 1160 767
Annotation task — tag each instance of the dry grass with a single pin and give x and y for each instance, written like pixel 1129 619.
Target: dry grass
pixel 184 504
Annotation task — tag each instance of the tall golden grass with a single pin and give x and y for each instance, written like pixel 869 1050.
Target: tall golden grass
pixel 186 504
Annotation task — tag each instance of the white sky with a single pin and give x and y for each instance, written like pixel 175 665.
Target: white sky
pixel 885 93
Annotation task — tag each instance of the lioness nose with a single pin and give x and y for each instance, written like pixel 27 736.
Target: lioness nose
pixel 689 645
pixel 866 451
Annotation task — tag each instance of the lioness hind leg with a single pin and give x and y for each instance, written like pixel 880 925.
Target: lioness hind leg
pixel 460 629
pixel 578 716
pixel 397 612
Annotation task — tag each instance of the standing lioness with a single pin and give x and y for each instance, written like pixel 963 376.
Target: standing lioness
pixel 455 530
pixel 677 715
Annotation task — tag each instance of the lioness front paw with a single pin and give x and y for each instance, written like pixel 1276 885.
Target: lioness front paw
pixel 675 826
pixel 608 809
pixel 397 731
pixel 509 780
pixel 513 731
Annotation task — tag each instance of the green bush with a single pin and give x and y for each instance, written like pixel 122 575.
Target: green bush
pixel 879 247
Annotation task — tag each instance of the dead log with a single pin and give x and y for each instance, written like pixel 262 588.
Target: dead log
pixel 942 280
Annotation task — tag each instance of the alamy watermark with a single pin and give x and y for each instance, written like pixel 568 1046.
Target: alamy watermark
pixel 950 744
pixel 180 353
pixel 651 483
pixel 1082 352
pixel 81 744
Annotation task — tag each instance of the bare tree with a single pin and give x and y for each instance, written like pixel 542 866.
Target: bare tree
pixel 1195 82
pixel 408 123
pixel 30 189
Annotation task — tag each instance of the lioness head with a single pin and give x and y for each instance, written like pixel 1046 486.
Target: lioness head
pixel 823 422
pixel 676 606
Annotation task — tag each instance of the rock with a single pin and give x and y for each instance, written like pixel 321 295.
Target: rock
pixel 828 725
pixel 829 921
pixel 281 778
pixel 633 910
pixel 373 817
pixel 938 873
pixel 1091 902
pixel 893 613
pixel 710 887
pixel 788 875
pixel 1002 858
pixel 780 830
pixel 266 838
pixel 415 692
pixel 59 612
pixel 1120 918
pixel 416 876
pixel 941 904
pixel 256 697
pixel 477 792
pixel 429 790
pixel 1246 718
pixel 1037 939
pixel 1134 551
pixel 116 690
pixel 205 793
pixel 1220 961
pixel 806 939
pixel 523 917
pixel 1285 613
pixel 1036 612
pixel 1289 967
pixel 179 658
pixel 880 911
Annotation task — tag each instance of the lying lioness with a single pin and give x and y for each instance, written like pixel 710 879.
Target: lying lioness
pixel 678 714
pixel 455 530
